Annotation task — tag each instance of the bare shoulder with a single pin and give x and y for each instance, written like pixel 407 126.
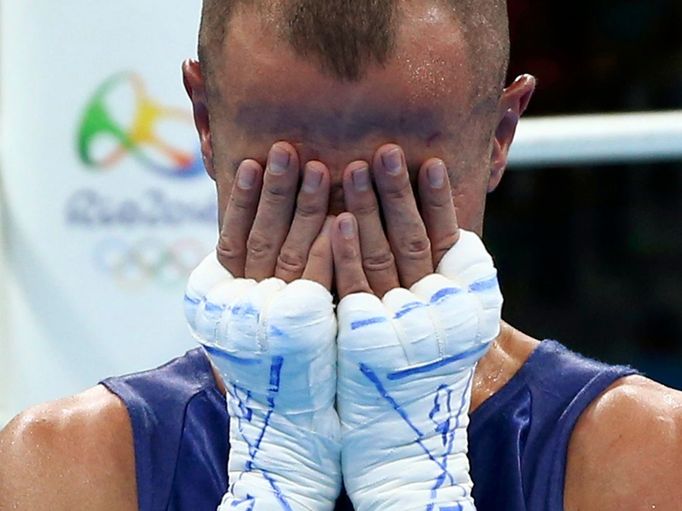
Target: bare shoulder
pixel 75 453
pixel 626 450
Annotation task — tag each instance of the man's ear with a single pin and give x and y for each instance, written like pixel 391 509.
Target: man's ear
pixel 513 104
pixel 195 86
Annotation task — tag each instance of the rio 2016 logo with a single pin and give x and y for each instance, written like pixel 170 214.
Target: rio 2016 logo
pixel 122 119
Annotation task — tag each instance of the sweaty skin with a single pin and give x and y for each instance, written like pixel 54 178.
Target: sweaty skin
pixel 626 450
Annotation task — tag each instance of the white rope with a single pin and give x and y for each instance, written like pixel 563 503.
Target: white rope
pixel 603 138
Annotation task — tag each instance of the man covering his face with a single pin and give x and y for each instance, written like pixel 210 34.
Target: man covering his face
pixel 350 315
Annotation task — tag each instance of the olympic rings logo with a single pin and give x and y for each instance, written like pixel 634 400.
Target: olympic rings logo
pixel 141 138
pixel 148 261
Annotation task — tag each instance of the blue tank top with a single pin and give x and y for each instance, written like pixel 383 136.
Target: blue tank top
pixel 518 438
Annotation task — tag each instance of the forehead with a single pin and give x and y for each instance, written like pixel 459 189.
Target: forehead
pixel 266 90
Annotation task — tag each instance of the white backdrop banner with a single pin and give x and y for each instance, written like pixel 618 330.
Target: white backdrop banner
pixel 108 206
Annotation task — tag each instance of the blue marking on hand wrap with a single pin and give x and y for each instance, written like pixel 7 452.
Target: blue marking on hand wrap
pixel 427 368
pixel 446 428
pixel 228 357
pixel 442 427
pixel 278 493
pixel 246 309
pixel 239 502
pixel 276 373
pixel 372 376
pixel 437 298
pixel 484 285
pixel 449 440
pixel 254 448
pixel 214 307
pixel 275 332
pixel 192 301
pixel 367 322
pixel 406 309
pixel 245 414
pixel 445 293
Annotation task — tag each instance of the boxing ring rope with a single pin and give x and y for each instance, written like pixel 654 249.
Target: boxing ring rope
pixel 597 139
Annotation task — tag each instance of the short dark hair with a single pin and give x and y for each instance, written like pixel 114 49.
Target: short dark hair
pixel 345 36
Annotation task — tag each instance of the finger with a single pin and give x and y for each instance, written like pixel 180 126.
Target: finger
pixel 275 210
pixel 377 259
pixel 239 216
pixel 311 211
pixel 350 278
pixel 406 231
pixel 320 267
pixel 438 209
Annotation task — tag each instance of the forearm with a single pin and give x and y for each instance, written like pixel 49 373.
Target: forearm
pixel 273 345
pixel 407 356
pixel 404 398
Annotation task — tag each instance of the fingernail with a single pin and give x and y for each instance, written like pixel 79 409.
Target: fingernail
pixel 347 228
pixel 436 174
pixel 279 160
pixel 393 161
pixel 361 180
pixel 312 180
pixel 246 176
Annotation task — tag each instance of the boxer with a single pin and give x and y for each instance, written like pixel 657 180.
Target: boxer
pixel 308 110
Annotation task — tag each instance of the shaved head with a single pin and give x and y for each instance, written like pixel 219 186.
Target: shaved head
pixel 337 79
pixel 344 37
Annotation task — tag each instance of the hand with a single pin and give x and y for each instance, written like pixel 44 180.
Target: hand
pixel 273 343
pixel 406 361
pixel 414 246
pixel 267 231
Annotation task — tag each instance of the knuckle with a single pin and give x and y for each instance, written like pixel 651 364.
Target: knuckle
pixel 439 202
pixel 416 247
pixel 445 244
pixel 228 252
pixel 400 192
pixel 379 261
pixel 276 194
pixel 291 261
pixel 366 209
pixel 242 202
pixel 307 210
pixel 259 246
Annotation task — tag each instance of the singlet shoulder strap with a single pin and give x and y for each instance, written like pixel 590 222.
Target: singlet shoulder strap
pixel 157 401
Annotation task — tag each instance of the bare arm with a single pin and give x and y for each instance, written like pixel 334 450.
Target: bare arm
pixel 626 451
pixel 68 455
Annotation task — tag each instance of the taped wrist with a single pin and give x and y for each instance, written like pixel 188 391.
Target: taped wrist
pixel 406 366
pixel 274 347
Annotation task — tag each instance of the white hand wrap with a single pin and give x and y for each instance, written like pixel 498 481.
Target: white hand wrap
pixel 405 374
pixel 274 346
